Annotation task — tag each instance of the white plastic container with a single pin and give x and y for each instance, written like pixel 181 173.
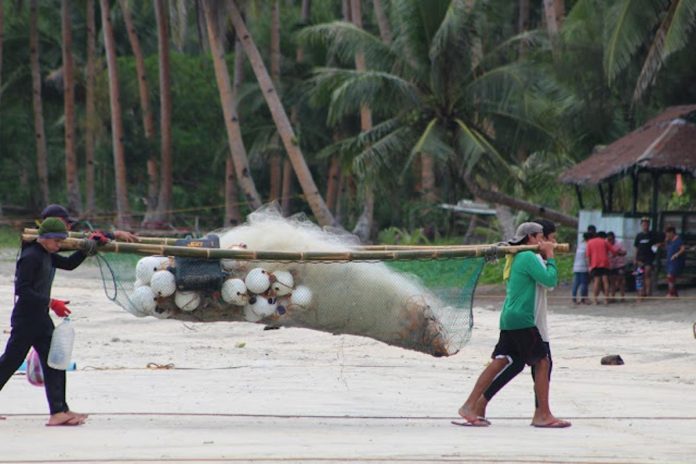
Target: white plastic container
pixel 61 345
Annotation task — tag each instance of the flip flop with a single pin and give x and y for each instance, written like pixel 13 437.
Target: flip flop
pixel 71 421
pixel 479 422
pixel 556 424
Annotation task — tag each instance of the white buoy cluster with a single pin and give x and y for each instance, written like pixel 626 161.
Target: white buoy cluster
pixel 259 294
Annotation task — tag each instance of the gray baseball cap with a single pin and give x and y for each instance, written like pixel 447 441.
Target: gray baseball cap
pixel 524 229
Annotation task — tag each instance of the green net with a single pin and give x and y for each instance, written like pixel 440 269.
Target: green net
pixel 423 305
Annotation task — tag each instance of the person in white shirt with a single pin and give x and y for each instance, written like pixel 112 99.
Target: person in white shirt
pixel 581 274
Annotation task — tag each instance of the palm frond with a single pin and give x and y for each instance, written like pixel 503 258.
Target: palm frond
pixel 432 141
pixel 475 146
pixel 384 152
pixel 672 34
pixel 452 35
pixel 681 24
pixel 627 25
pixel 379 90
pixel 345 40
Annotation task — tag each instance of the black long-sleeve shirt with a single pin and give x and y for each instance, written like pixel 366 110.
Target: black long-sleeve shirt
pixel 34 274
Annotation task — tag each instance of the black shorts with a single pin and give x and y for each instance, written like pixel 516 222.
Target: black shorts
pixel 599 272
pixel 619 271
pixel 523 344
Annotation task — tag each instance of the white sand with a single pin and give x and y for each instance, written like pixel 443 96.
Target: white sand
pixel 238 393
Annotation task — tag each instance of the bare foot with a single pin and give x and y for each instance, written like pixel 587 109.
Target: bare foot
pixel 472 418
pixel 549 422
pixel 78 415
pixel 554 424
pixel 64 419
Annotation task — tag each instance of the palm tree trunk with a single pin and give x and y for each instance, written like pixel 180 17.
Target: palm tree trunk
pixel 90 110
pixel 148 118
pixel 229 105
pixel 282 122
pixel 332 183
pixel 275 161
pixel 286 194
pixel 164 202
pixel 2 38
pixel 523 25
pixel 382 22
pixel 363 228
pixel 71 177
pixel 428 178
pixel 554 12
pixel 232 215
pixel 123 217
pixel 40 133
pixel 515 203
pixel 200 26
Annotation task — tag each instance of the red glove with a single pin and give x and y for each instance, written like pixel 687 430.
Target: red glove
pixel 98 237
pixel 58 307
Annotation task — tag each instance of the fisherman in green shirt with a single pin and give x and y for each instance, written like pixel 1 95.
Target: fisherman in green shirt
pixel 520 338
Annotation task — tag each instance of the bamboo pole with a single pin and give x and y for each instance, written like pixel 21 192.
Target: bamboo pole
pixel 172 241
pixel 275 255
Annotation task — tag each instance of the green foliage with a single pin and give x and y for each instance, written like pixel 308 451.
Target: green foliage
pixel 679 202
pixel 396 236
pixel 9 237
pixel 493 271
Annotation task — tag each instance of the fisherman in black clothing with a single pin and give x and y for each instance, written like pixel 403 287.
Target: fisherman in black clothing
pixel 31 322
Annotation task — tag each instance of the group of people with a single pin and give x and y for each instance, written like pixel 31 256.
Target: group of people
pixel 31 322
pixel 602 258
pixel 523 338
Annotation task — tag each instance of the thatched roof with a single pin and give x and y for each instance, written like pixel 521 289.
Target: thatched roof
pixel 666 143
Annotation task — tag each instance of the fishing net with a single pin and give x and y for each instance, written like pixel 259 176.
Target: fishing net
pixel 423 305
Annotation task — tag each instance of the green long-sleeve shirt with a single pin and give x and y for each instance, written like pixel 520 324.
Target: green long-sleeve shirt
pixel 526 272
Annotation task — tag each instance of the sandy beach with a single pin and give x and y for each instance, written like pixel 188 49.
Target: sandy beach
pixel 232 392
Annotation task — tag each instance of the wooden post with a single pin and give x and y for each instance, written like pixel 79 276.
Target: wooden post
pixel 634 180
pixel 655 192
pixel 578 192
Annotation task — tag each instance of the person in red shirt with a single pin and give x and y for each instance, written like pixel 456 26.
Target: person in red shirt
pixel 598 249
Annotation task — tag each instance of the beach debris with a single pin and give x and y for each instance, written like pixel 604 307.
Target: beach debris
pixel 612 360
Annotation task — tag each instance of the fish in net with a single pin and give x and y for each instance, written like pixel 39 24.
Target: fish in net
pixel 418 304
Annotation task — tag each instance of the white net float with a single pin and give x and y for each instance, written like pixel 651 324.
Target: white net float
pixel 144 300
pixel 301 296
pixel 163 283
pixel 261 306
pixel 234 291
pixel 147 266
pixel 258 280
pixel 138 283
pixel 187 301
pixel 250 315
pixel 283 283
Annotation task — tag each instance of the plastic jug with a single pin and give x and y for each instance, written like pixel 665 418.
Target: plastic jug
pixel 61 345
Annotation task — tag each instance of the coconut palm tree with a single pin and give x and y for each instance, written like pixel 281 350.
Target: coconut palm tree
pixel 148 117
pixel 90 108
pixel 650 30
pixel 434 94
pixel 71 177
pixel 229 105
pixel 281 120
pixel 123 216
pixel 2 37
pixel 164 201
pixel 39 131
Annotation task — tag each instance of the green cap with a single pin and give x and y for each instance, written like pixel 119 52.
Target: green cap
pixel 53 228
